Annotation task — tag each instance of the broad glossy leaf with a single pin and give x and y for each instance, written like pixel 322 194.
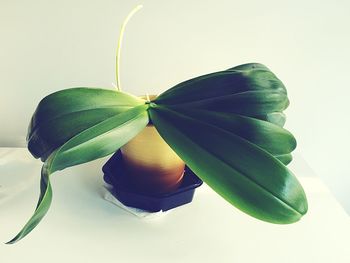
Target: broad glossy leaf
pixel 249 66
pixel 63 114
pixel 221 84
pixel 250 103
pixel 266 135
pixel 95 142
pixel 102 139
pixel 278 118
pixel 245 175
pixel 285 158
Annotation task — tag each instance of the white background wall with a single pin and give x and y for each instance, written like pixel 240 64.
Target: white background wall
pixel 46 46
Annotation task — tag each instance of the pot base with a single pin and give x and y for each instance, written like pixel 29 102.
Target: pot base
pixel 114 174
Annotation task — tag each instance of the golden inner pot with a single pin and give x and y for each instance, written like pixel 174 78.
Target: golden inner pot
pixel 150 164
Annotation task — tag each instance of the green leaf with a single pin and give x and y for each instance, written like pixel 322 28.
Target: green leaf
pixel 266 135
pixel 278 118
pixel 250 103
pixel 63 114
pixel 95 142
pixel 249 66
pixel 43 205
pixel 103 139
pixel 222 84
pixel 245 175
pixel 285 158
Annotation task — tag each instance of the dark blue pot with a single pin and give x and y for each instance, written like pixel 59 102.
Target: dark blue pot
pixel 114 174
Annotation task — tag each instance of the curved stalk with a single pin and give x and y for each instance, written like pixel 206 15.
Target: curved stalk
pixel 120 40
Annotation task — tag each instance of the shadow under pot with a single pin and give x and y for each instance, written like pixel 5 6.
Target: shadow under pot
pixel 151 166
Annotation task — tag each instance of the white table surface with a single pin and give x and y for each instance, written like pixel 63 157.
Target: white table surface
pixel 83 227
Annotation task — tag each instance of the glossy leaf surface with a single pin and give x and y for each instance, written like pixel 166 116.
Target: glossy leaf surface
pixel 250 66
pixel 63 114
pixel 222 84
pixel 250 103
pixel 272 138
pixel 278 118
pixel 95 142
pixel 285 158
pixel 245 175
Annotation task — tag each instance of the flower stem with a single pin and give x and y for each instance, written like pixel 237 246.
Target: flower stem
pixel 120 40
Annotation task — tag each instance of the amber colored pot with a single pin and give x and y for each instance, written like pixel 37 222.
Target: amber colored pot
pixel 150 164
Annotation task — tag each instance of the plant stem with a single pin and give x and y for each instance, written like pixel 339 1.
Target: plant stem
pixel 120 40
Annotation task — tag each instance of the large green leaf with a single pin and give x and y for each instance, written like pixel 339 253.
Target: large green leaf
pixel 249 89
pixel 278 118
pixel 63 114
pixel 244 174
pixel 250 103
pixel 249 67
pixel 222 84
pixel 94 142
pixel 285 158
pixel 270 137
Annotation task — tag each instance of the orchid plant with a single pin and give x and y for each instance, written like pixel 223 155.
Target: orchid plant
pixel 226 126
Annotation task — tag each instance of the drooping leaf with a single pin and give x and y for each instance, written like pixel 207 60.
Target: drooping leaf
pixel 222 84
pixel 43 205
pixel 245 175
pixel 266 135
pixel 94 142
pixel 63 114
